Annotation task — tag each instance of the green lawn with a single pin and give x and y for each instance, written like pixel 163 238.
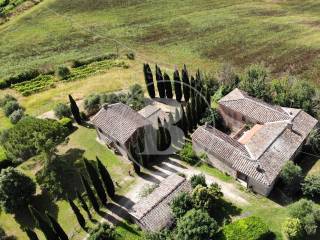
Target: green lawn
pixel 215 172
pixel 83 139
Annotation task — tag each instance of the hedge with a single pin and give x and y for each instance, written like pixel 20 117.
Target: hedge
pixel 250 228
pixel 81 62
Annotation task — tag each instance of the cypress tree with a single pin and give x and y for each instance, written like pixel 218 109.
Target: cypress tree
pixel 43 224
pixel 57 228
pixel 90 193
pixel 168 85
pixel 106 178
pixel 96 182
pixel 76 211
pixel 186 84
pixel 167 134
pixel 160 83
pixel 83 204
pixel 161 137
pixel 189 117
pixel 192 88
pixel 31 234
pixel 148 77
pixel 184 121
pixel 75 110
pixel 194 112
pixel 177 85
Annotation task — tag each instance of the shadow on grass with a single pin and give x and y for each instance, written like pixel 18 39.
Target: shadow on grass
pixel 225 211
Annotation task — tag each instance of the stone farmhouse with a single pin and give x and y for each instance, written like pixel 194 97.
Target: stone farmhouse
pixel 262 138
pixel 153 213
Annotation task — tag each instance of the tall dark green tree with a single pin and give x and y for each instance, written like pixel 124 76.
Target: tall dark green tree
pixel 177 85
pixel 96 182
pixel 92 198
pixel 83 204
pixel 189 117
pixel 161 137
pixel 184 121
pixel 57 228
pixel 43 224
pixel 31 234
pixel 106 178
pixel 192 87
pixel 148 77
pixel 186 84
pixel 76 211
pixel 194 112
pixel 168 86
pixel 160 83
pixel 75 110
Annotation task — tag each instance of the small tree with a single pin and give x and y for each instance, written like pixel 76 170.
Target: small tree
pixel 188 155
pixel 76 211
pixel 196 225
pixel 16 116
pixel 311 187
pixel 63 72
pixel 199 179
pixel 177 85
pixel 43 224
pixel 293 229
pixel 90 193
pixel 62 110
pixel 168 86
pixel 57 228
pixel 314 140
pixel 106 178
pixel 148 77
pixel 16 190
pixel 102 232
pixel 291 176
pixel 10 107
pixel 92 103
pixel 75 110
pixel 83 204
pixel 181 204
pixel 96 182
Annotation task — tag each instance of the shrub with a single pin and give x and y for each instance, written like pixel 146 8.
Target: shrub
pixel 308 214
pixel 188 155
pixel 293 229
pixel 130 55
pixel 4 161
pixel 181 204
pixel 63 72
pixel 16 190
pixel 33 134
pixel 66 122
pixel 62 110
pixel 21 77
pixel 311 187
pixel 199 179
pixel 10 107
pixel 5 99
pixel 196 225
pixel 102 232
pixel 86 61
pixel 109 98
pixel 16 116
pixel 92 103
pixel 291 176
pixel 4 84
pixel 162 235
pixel 250 228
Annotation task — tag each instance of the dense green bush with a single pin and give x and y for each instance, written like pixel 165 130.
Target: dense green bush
pixel 198 179
pixel 162 235
pixel 291 177
pixel 102 232
pixel 28 137
pixel 92 103
pixel 16 116
pixel 16 190
pixel 250 228
pixel 292 227
pixel 130 55
pixel 21 77
pixel 308 213
pixel 5 99
pixel 311 187
pixel 4 160
pixel 62 110
pixel 86 61
pixel 181 204
pixel 66 122
pixel 188 155
pixel 196 225
pixel 10 107
pixel 63 72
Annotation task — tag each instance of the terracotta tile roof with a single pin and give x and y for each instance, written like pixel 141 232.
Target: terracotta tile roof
pixel 154 212
pixel 269 148
pixel 256 109
pixel 119 121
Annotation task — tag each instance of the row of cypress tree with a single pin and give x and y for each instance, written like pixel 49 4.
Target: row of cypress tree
pixel 102 183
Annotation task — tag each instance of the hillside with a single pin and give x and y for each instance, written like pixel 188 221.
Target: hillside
pixel 283 34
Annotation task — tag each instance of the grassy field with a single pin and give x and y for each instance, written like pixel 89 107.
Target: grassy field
pixel 81 143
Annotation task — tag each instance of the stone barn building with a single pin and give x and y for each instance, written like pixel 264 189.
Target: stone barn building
pixel 262 138
pixel 118 126
pixel 153 213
